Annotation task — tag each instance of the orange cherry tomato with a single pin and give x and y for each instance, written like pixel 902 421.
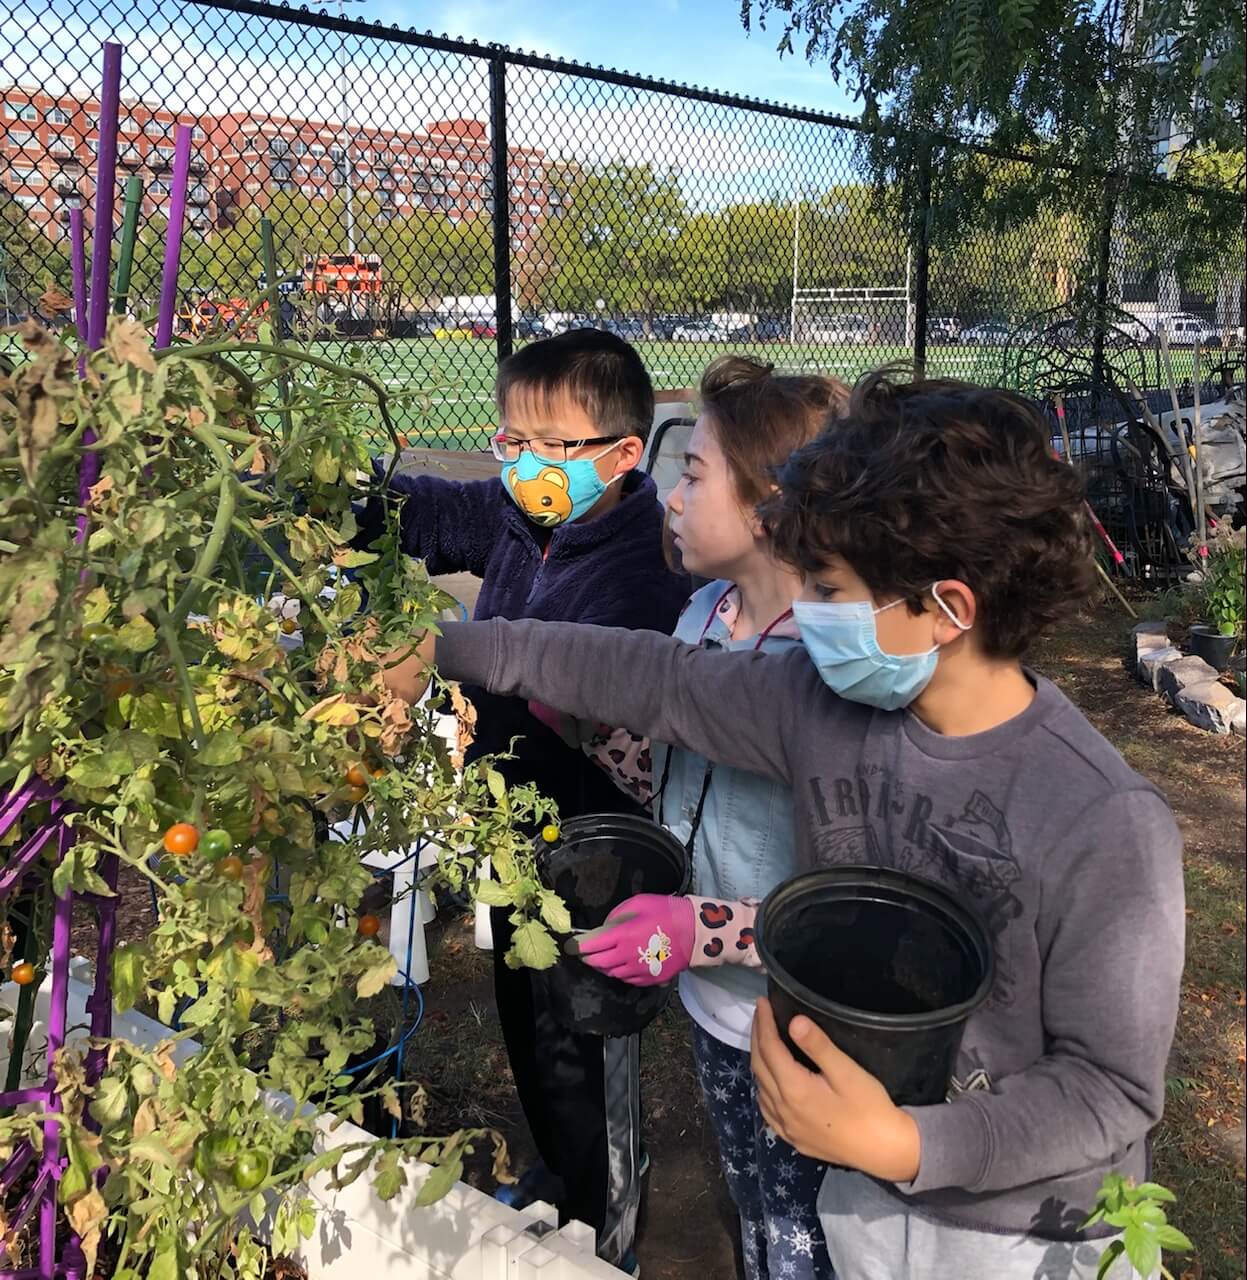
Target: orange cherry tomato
pixel 181 839
pixel 231 867
pixel 378 772
pixel 23 974
pixel 356 777
pixel 289 626
pixel 356 794
pixel 368 926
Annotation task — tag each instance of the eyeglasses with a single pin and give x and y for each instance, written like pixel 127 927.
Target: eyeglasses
pixel 507 449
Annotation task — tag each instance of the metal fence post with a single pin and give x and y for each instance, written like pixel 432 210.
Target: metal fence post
pixel 502 203
pixel 1104 240
pixel 922 262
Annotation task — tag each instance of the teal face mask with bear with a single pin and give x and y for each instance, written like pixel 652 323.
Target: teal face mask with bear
pixel 554 493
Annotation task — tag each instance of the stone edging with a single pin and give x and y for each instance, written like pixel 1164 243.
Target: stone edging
pixel 1186 682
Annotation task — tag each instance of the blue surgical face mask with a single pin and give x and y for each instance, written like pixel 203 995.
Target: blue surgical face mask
pixel 553 493
pixel 843 643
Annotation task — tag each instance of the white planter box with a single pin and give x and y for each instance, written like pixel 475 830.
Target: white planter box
pixel 465 1236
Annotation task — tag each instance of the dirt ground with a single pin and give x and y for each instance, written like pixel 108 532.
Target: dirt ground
pixel 687 1228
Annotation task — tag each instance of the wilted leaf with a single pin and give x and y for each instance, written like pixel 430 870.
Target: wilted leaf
pixel 87 1215
pixel 377 977
pixel 138 635
pixel 54 301
pixel 128 343
pixel 533 947
pixel 334 710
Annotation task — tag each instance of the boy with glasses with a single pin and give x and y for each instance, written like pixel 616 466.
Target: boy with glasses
pixel 571 532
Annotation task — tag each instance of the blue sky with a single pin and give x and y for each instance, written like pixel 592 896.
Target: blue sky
pixel 692 41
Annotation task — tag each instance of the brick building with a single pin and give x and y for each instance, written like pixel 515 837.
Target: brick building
pixel 50 145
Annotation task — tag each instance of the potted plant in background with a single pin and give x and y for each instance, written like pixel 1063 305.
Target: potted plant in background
pixel 1223 596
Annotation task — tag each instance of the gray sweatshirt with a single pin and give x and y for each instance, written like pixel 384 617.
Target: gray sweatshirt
pixel 1072 859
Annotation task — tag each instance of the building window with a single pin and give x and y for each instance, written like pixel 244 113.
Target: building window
pixel 127 124
pixel 21 111
pixel 26 177
pixel 278 147
pixel 155 128
pixel 197 133
pixel 21 137
pixel 162 155
pixel 300 148
pixel 93 119
pixel 61 144
pixel 93 146
pixel 158 187
pixel 316 149
pixel 27 202
pixel 282 172
pixel 57 116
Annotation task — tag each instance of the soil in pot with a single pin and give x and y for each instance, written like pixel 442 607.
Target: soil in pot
pixel 598 861
pixel 889 965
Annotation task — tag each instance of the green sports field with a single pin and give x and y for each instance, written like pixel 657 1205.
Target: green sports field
pixel 457 377
pixel 444 388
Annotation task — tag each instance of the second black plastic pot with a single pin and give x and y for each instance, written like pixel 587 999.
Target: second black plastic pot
pixel 599 861
pixel 1208 643
pixel 889 965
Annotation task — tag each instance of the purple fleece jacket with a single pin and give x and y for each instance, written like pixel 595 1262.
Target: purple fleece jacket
pixel 609 571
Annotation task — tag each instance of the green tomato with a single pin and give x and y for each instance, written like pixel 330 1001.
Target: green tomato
pixel 93 632
pixel 214 1155
pixel 215 844
pixel 250 1169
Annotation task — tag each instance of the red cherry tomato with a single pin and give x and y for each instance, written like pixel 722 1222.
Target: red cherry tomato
pixel 368 926
pixel 23 974
pixel 181 839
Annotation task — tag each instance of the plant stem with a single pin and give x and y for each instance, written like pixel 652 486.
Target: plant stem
pixel 169 630
pixel 209 553
pixel 252 534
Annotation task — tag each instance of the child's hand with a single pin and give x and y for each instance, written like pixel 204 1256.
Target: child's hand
pixel 645 941
pixel 407 671
pixel 842 1116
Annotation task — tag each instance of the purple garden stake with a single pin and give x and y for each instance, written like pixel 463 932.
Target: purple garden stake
pixel 91 317
pixel 173 240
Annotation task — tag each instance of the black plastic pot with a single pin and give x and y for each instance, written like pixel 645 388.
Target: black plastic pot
pixel 598 862
pixel 1208 643
pixel 889 965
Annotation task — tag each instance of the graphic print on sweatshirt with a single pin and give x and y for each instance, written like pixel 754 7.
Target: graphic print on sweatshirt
pixel 873 818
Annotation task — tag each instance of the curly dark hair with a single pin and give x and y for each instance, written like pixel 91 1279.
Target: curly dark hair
pixel 941 479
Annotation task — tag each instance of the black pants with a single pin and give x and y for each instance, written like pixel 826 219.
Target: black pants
pixel 581 1098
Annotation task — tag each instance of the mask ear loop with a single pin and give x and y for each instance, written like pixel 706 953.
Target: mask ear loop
pixel 952 617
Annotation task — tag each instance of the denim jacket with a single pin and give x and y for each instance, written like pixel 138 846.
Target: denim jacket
pixel 744 843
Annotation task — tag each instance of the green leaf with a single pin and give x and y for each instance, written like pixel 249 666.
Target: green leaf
pixel 152 1147
pixel 164 1266
pixel 497 787
pixel 138 636
pixel 1154 1191
pixel 389 1182
pixel 1169 1237
pixel 376 978
pixel 493 894
pixel 354 559
pixel 104 769
pixel 221 748
pixel 128 976
pixel 440 1180
pixel 554 911
pixel 325 466
pixel 1108 1257
pixel 1142 1249
pixel 533 946
pixel 109 1103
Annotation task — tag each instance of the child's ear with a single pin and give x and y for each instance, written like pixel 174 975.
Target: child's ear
pixel 631 451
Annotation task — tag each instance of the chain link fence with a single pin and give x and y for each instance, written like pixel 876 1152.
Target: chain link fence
pixel 436 202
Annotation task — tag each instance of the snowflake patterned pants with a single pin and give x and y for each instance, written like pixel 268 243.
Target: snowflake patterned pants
pixel 774 1187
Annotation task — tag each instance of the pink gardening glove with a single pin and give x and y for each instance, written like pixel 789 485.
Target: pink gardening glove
pixel 645 941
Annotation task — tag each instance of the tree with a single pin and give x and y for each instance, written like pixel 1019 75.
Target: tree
pixel 1076 86
pixel 29 262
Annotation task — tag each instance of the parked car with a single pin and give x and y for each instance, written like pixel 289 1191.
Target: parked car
pixel 843 330
pixel 625 327
pixel 943 330
pixel 993 333
pixel 699 331
pixel 483 329
pixel 1189 331
pixel 531 327
pixel 771 329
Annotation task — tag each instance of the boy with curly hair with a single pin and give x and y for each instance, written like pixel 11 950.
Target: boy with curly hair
pixel 937 537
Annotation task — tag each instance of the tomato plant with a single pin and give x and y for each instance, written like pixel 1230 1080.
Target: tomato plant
pixel 141 675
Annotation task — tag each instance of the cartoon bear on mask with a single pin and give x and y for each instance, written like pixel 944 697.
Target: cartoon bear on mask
pixel 543 499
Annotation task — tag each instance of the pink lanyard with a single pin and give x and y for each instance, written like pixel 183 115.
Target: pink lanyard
pixel 762 635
